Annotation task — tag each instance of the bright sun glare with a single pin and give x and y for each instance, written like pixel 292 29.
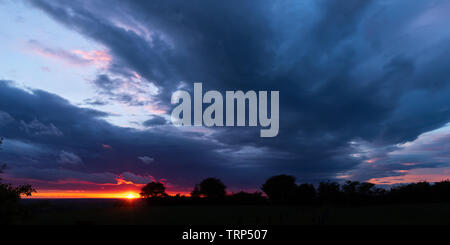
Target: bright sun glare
pixel 131 196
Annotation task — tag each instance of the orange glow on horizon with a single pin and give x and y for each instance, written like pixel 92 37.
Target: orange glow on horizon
pixel 75 194
pixel 57 194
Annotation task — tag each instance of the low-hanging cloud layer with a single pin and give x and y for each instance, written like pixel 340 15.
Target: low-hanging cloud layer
pixel 364 92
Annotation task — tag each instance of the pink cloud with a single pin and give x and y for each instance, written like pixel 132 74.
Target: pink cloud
pixel 414 175
pixel 98 57
pixel 372 160
pixel 153 109
pixel 76 57
pixel 410 163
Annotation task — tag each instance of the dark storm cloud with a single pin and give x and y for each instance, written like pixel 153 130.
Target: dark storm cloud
pixel 363 71
pixel 84 133
pixel 155 121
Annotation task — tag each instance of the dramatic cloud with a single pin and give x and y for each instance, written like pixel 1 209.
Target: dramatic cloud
pixel 361 83
pixel 81 148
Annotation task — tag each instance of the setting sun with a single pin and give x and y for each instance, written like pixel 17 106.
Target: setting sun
pixel 131 196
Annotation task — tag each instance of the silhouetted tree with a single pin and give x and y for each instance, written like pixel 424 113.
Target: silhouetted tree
pixel 153 190
pixel 10 208
pixel 306 193
pixel 441 191
pixel 414 192
pixel 196 192
pixel 212 188
pixel 329 192
pixel 356 192
pixel 366 188
pixel 280 189
pixel 350 187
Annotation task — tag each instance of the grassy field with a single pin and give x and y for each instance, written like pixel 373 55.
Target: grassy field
pixel 111 212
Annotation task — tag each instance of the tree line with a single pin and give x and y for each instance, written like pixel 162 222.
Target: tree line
pixel 283 189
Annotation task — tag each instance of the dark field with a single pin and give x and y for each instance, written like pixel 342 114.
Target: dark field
pixel 135 212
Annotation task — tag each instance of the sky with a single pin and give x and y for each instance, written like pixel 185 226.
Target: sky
pixel 85 90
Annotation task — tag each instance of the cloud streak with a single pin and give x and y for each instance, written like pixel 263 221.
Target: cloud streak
pixel 73 57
